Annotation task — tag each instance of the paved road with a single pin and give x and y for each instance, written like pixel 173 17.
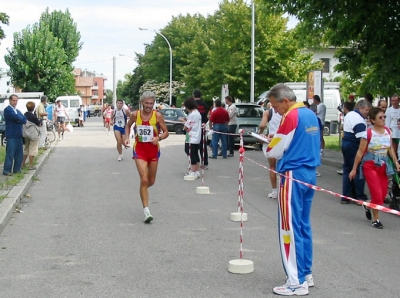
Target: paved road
pixel 82 235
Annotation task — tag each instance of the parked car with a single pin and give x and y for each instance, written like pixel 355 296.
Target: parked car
pixel 174 119
pixel 2 127
pixel 249 116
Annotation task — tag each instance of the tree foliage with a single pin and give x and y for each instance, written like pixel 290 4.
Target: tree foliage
pixel 4 19
pixel 62 25
pixel 366 32
pixel 215 50
pixel 37 62
pixel 42 55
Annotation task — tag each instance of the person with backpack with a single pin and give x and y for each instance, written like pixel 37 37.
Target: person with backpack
pixel 119 120
pixel 31 135
pixel 373 154
pixel 273 119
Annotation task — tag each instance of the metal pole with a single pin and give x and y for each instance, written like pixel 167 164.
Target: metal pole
pixel 170 66
pixel 114 102
pixel 252 50
pixel 170 62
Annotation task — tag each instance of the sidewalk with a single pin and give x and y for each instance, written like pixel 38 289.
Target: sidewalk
pixel 14 194
pixel 332 158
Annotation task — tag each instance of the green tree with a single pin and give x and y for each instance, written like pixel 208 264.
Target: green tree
pixel 37 63
pixel 366 32
pixel 4 19
pixel 213 50
pixel 62 25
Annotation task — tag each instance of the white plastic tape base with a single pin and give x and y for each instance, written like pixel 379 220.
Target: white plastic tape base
pixel 236 216
pixel 241 266
pixel 202 190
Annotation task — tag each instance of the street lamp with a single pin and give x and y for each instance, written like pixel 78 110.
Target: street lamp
pixel 170 62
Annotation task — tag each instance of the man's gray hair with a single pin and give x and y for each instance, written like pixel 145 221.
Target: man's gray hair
pixel 281 91
pixel 363 103
pixel 147 94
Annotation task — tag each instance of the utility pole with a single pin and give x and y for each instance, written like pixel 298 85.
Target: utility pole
pixel 114 101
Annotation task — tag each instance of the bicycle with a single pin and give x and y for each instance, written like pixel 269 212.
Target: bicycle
pixel 51 135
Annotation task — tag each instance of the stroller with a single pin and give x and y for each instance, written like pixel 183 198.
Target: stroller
pixel 394 189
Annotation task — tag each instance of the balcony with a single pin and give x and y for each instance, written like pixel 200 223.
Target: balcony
pixel 95 88
pixel 95 97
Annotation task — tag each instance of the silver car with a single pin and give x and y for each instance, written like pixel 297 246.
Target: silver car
pixel 249 116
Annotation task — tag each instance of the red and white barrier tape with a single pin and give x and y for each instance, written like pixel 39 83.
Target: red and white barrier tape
pixel 360 202
pixel 241 191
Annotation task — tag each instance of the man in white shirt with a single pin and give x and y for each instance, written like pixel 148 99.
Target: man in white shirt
pixel 393 120
pixel 321 113
pixel 232 125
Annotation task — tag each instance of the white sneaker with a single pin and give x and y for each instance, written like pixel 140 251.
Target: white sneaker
pixel 147 217
pixel 198 174
pixel 120 158
pixel 318 174
pixel 286 290
pixel 192 174
pixel 273 195
pixel 109 133
pixel 59 139
pixel 310 280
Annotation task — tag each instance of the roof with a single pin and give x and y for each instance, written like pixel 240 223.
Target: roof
pixel 84 82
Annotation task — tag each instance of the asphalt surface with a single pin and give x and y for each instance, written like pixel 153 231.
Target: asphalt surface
pixel 81 233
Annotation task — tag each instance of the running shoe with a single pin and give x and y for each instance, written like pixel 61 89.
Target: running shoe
pixel 198 174
pixel 286 290
pixel 205 168
pixel 120 158
pixel 273 195
pixel 192 174
pixel 318 174
pixel 310 280
pixel 148 217
pixel 377 224
pixel 59 139
pixel 368 214
pixel 340 172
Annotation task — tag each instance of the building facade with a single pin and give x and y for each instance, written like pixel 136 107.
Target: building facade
pixel 90 86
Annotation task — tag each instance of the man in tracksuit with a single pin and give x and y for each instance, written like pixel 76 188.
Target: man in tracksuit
pixel 355 128
pixel 296 146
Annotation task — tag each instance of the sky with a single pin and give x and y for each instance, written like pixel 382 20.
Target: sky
pixel 107 28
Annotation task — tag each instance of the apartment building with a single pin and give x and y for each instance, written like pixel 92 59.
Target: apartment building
pixel 90 86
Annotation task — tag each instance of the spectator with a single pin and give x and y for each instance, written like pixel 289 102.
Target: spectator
pixel 373 153
pixel 354 128
pixel 351 98
pixel 321 113
pixel 273 120
pixel 203 110
pixel 31 146
pixel 14 148
pixel 42 114
pixel 232 125
pixel 81 113
pixel 218 122
pixel 296 148
pixel 193 137
pixel 382 104
pixel 393 120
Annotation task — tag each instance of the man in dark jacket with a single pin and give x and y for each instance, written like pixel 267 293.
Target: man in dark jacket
pixel 14 148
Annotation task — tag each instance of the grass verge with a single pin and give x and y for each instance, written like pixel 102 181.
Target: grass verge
pixel 332 143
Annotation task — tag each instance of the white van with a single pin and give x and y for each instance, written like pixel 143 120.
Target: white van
pixel 331 99
pixel 23 99
pixel 72 104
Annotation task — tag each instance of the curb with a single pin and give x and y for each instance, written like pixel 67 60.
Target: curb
pixel 15 195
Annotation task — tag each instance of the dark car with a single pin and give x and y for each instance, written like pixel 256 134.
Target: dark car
pixel 174 119
pixel 2 127
pixel 249 116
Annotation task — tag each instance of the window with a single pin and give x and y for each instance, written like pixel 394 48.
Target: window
pixel 74 103
pixel 64 102
pixel 325 61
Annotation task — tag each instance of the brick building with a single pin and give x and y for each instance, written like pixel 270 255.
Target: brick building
pixel 90 86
